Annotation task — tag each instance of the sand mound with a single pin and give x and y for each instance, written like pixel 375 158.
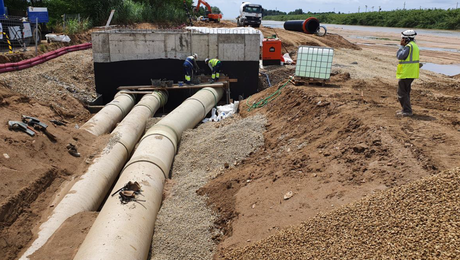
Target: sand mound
pixel 414 221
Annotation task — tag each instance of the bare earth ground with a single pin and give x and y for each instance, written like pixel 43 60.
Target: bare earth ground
pixel 329 146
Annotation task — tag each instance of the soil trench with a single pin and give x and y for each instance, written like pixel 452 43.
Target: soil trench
pixel 314 166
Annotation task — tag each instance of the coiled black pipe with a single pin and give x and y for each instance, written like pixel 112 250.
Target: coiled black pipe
pixel 309 26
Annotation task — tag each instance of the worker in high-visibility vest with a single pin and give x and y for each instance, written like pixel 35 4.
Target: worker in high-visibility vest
pixel 408 70
pixel 214 65
pixel 189 67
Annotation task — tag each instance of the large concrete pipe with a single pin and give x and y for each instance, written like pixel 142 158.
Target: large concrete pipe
pixel 124 231
pixel 89 191
pixel 105 120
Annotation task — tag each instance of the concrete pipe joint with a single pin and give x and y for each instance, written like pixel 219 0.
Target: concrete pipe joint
pixel 124 230
pixel 106 119
pixel 88 192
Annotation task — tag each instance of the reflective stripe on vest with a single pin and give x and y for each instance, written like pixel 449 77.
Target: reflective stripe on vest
pixel 409 68
pixel 190 60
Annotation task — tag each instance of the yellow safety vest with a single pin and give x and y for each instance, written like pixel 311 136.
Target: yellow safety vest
pixel 409 68
pixel 214 62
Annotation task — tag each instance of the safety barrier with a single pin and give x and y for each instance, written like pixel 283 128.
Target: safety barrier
pixel 7 67
pixel 10 47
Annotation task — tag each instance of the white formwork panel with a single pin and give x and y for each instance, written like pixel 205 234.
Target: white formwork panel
pixel 314 62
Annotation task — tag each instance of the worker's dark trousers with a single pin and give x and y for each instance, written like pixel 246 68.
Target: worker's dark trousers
pixel 188 70
pixel 404 87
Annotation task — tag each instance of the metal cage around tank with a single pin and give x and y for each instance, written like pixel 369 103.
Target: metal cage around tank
pixel 15 33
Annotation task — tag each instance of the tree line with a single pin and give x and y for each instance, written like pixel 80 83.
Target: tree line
pixel 415 18
pixel 98 11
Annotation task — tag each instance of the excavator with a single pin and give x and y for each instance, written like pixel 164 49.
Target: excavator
pixel 209 15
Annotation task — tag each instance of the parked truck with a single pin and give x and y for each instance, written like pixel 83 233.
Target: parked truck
pixel 250 15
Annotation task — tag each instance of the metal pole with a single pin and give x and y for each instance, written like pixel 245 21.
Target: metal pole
pixel 36 36
pixel 110 18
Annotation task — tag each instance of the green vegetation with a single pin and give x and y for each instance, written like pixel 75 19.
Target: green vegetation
pixel 96 12
pixel 74 26
pixel 425 18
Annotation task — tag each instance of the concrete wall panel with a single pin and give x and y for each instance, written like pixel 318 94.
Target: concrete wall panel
pixel 137 36
pixel 101 49
pixel 252 47
pixel 213 45
pixel 200 45
pixel 183 44
pixel 170 46
pixel 115 46
pixel 231 38
pixel 231 52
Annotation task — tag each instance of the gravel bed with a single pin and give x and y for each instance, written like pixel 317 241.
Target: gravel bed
pixel 69 74
pixel 420 220
pixel 184 223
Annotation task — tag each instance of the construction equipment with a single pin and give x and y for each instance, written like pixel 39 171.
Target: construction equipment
pixel 39 126
pixel 24 29
pixel 20 126
pixel 271 51
pixel 250 14
pixel 209 17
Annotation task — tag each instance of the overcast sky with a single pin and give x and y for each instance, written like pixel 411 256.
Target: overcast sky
pixel 230 8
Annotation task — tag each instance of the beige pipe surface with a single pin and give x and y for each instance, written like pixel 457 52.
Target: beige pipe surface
pixel 105 120
pixel 124 231
pixel 89 191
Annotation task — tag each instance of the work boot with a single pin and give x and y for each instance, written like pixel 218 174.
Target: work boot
pixel 407 114
pixel 73 150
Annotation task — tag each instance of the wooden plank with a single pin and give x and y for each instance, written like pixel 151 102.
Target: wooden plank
pixel 220 84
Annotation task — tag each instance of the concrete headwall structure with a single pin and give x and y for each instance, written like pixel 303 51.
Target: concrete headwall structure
pixel 133 57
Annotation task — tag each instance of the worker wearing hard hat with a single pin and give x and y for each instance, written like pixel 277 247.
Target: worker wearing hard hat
pixel 190 66
pixel 408 70
pixel 214 65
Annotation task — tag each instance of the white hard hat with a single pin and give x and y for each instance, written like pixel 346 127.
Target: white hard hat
pixel 408 34
pixel 206 60
pixel 195 56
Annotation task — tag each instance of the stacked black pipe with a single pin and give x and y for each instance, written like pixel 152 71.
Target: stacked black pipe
pixel 309 26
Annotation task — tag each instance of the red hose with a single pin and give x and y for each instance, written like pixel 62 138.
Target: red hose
pixel 7 67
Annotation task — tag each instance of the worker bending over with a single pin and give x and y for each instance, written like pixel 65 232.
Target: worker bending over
pixel 408 70
pixel 214 65
pixel 190 66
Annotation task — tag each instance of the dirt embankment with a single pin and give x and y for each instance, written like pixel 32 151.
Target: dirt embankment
pixel 33 168
pixel 324 148
pixel 331 146
pixel 414 221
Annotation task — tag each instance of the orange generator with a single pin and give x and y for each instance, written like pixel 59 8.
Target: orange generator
pixel 271 51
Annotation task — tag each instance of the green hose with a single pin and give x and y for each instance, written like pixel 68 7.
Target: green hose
pixel 266 100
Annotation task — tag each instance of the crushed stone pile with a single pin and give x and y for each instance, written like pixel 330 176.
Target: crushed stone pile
pixel 419 220
pixel 70 76
pixel 183 229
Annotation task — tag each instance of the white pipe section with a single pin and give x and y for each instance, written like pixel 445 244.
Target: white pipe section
pixel 105 120
pixel 124 231
pixel 92 187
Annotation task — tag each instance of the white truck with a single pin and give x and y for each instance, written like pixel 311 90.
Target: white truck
pixel 250 14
